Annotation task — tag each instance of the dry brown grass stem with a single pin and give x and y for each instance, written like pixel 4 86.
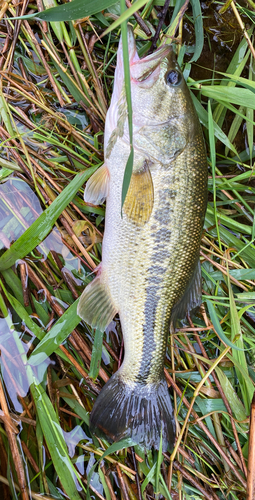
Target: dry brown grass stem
pixel 23 276
pixel 223 396
pixel 108 482
pixel 30 457
pixel 17 26
pixel 251 455
pixel 223 270
pixel 122 483
pixel 84 252
pixel 207 494
pixel 241 24
pixel 140 20
pixel 35 496
pixel 205 429
pixel 44 62
pixel 13 446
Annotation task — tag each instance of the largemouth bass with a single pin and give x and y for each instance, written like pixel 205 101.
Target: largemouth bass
pixel 150 272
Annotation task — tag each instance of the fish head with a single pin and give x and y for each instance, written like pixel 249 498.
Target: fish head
pixel 159 90
pixel 163 112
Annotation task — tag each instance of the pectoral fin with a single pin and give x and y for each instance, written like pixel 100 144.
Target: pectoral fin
pixel 97 186
pixel 96 306
pixel 140 196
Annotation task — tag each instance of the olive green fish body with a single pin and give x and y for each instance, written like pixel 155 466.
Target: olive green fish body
pixel 150 270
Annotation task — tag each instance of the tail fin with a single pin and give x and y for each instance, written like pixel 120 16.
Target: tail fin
pixel 134 410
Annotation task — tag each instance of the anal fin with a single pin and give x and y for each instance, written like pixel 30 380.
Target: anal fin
pixel 96 189
pixel 140 196
pixel 96 306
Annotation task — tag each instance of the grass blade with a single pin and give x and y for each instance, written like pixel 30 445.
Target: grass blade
pixel 96 354
pixel 246 385
pixel 129 165
pixel 213 161
pixel 218 327
pixel 56 336
pixel 125 14
pixel 71 11
pixel 55 441
pixel 199 31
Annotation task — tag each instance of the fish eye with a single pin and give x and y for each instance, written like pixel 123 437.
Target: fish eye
pixel 173 77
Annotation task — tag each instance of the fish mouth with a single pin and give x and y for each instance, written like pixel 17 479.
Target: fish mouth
pixel 143 69
pixel 144 72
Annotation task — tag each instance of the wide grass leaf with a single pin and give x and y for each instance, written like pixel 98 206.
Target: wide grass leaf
pixel 199 31
pixel 43 225
pixel 235 67
pixel 103 481
pixel 218 328
pixel 245 383
pixel 96 354
pixel 239 96
pixel 239 274
pixel 55 441
pixel 12 280
pixel 231 223
pixel 245 82
pixel 77 9
pixel 203 117
pixel 149 477
pixel 129 165
pixel 126 15
pixel 236 405
pixel 246 295
pixel 160 459
pixel 57 334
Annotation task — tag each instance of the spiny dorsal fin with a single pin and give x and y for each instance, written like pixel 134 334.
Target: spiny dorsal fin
pixel 96 306
pixel 140 196
pixel 97 186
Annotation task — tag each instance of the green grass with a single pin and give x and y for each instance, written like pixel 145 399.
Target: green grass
pixel 56 85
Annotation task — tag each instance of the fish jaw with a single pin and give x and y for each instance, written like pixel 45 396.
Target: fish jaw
pixel 145 72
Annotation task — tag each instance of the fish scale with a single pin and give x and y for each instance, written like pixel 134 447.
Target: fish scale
pixel 150 272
